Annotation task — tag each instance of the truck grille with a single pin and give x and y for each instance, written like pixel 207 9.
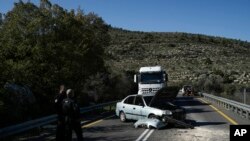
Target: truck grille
pixel 149 90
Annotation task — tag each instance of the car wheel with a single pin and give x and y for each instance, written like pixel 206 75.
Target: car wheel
pixel 152 116
pixel 150 127
pixel 122 117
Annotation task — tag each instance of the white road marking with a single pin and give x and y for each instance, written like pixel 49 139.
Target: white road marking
pixel 145 135
pixel 141 136
pixel 148 135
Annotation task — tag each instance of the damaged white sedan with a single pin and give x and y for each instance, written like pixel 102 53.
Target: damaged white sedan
pixel 137 107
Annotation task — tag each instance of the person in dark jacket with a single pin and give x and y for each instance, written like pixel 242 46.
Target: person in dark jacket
pixel 60 130
pixel 71 112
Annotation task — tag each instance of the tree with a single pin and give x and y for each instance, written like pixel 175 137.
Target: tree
pixel 43 46
pixel 1 19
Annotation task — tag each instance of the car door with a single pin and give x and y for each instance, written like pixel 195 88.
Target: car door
pixel 127 107
pixel 138 108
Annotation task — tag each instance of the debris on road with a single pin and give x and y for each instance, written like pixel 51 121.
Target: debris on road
pixel 178 122
pixel 150 123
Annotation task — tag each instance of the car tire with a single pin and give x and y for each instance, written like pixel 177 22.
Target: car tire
pixel 150 127
pixel 122 117
pixel 152 116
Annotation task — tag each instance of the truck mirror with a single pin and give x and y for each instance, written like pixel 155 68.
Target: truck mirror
pixel 135 78
pixel 165 76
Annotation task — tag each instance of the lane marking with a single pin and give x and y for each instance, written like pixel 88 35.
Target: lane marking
pixel 95 122
pixel 140 137
pixel 221 113
pixel 148 135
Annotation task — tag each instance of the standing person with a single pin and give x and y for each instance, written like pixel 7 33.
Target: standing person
pixel 71 112
pixel 60 119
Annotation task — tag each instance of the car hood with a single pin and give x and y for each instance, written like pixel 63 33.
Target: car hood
pixel 163 100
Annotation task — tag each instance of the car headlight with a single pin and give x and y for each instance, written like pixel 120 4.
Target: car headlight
pixel 167 112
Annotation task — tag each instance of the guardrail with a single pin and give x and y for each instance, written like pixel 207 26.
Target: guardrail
pixel 25 126
pixel 242 109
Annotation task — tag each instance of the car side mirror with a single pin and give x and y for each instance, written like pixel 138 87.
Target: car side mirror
pixel 135 78
pixel 165 76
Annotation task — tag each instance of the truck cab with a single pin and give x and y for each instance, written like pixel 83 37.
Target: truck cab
pixel 150 80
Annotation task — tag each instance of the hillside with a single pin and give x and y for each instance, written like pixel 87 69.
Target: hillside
pixel 188 58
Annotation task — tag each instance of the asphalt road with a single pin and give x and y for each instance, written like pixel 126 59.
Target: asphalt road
pixel 211 123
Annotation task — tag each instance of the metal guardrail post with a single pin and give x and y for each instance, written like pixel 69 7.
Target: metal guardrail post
pixel 244 96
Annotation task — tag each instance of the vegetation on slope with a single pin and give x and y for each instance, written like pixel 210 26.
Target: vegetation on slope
pixel 212 64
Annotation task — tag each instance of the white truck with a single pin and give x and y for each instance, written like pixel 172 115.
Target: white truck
pixel 150 80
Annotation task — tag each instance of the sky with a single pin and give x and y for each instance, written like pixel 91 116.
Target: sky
pixel 224 18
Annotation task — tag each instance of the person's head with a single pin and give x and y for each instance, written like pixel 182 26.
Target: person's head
pixel 70 93
pixel 62 88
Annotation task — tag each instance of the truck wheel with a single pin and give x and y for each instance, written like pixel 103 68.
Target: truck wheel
pixel 122 117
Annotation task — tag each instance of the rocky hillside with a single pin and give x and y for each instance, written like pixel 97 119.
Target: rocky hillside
pixel 186 57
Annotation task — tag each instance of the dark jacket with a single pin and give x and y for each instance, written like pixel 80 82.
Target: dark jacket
pixel 70 109
pixel 58 103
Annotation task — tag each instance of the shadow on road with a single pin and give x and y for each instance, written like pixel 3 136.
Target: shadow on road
pixel 209 123
pixel 107 133
pixel 106 139
pixel 106 129
pixel 196 110
pixel 188 101
pixel 205 123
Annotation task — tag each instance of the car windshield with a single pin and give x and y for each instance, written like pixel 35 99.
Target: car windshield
pixel 187 87
pixel 148 78
pixel 147 99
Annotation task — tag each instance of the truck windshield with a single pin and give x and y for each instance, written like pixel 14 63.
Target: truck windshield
pixel 149 78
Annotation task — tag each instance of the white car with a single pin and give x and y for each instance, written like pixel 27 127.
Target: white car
pixel 135 107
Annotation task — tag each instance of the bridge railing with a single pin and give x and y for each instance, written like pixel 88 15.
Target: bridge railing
pixel 28 125
pixel 239 108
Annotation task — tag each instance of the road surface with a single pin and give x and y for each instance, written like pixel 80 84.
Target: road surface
pixel 211 123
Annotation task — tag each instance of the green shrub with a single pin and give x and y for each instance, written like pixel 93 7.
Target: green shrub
pixel 210 83
pixel 229 89
pixel 172 45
